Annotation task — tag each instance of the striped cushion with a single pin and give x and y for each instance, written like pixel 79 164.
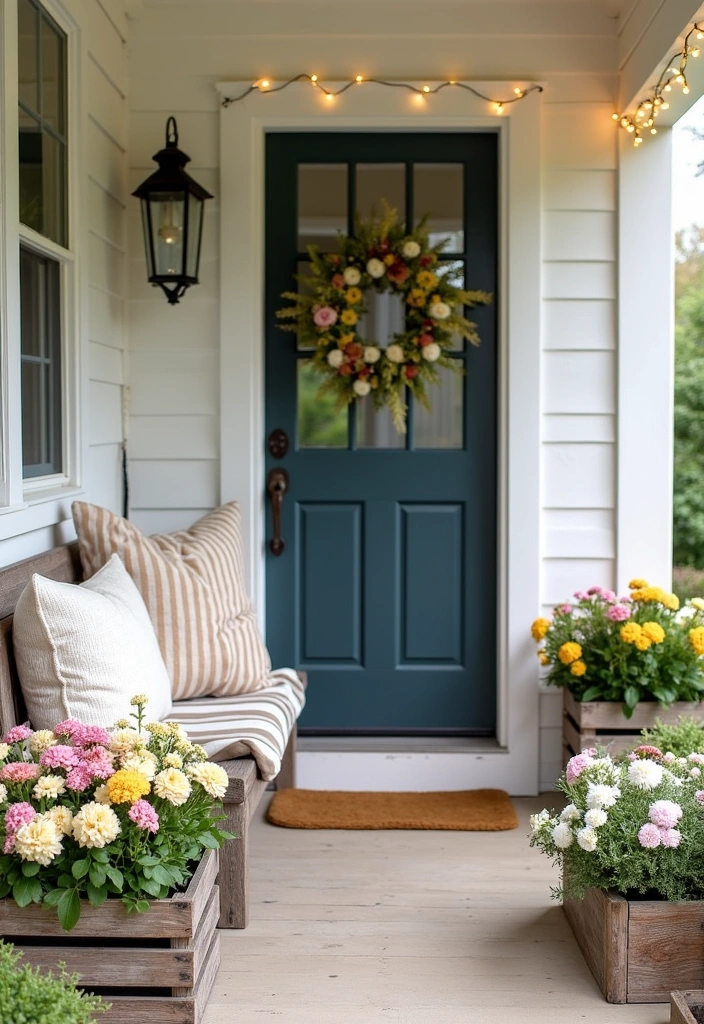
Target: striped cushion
pixel 192 583
pixel 258 724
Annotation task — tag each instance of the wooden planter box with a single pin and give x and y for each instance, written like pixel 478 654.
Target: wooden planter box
pixel 154 968
pixel 687 1007
pixel 603 722
pixel 639 950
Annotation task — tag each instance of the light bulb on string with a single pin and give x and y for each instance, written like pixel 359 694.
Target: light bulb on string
pixel 426 89
pixel 518 92
pixel 329 97
pixel 264 84
pixel 499 108
pixel 614 117
pixel 685 90
pixel 359 79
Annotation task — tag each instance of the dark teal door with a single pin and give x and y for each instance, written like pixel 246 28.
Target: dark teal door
pixel 385 592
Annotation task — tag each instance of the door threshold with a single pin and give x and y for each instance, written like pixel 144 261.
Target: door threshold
pixel 398 744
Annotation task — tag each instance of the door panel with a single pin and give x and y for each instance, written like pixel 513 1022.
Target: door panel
pixel 386 590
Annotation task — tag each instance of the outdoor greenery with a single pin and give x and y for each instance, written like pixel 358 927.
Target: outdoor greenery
pixel 682 739
pixel 29 997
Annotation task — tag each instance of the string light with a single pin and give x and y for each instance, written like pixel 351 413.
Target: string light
pixel 675 71
pixel 419 92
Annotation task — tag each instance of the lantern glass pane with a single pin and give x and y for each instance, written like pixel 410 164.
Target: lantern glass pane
pixel 195 224
pixel 144 206
pixel 167 232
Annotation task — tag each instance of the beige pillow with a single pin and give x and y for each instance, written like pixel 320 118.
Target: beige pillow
pixel 84 651
pixel 192 583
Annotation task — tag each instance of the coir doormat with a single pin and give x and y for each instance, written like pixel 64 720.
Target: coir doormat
pixel 471 810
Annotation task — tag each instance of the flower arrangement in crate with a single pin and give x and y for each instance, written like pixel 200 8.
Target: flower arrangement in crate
pixel 87 812
pixel 639 647
pixel 635 825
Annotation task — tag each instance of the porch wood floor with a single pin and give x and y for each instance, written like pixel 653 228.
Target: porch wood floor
pixel 406 928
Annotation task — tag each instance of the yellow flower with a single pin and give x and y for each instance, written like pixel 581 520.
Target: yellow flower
pixel 173 761
pixel 697 602
pixel 654 632
pixel 62 818
pixel 569 652
pixel 49 787
pixel 539 629
pixel 696 639
pixel 172 785
pixel 96 825
pixel 127 786
pixel 630 632
pixel 122 723
pixel 578 668
pixel 348 317
pixel 416 297
pixel 389 259
pixel 41 740
pixel 657 595
pixel 426 279
pixel 139 701
pixel 544 660
pixel 436 298
pixel 158 729
pixel 637 584
pixel 642 642
pixel 212 778
pixel 672 602
pixel 38 841
pixel 353 295
pixel 200 753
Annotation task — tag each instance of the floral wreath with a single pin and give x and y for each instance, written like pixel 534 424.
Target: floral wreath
pixel 382 256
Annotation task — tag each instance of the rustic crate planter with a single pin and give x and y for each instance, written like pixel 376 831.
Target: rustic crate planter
pixel 585 725
pixel 173 948
pixel 687 1007
pixel 639 950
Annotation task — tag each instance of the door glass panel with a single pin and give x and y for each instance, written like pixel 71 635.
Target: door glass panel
pixel 441 426
pixel 379 182
pixel 454 270
pixel 322 205
pixel 320 423
pixel 385 316
pixel 303 270
pixel 375 428
pixel 438 190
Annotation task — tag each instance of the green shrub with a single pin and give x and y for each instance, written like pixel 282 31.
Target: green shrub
pixel 29 997
pixel 688 582
pixel 687 737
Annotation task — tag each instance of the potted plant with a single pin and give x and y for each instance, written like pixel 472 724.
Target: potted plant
pixel 29 996
pixel 621 661
pixel 630 845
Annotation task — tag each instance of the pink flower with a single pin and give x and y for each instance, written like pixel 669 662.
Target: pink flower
pixel 19 733
pixel 67 727
pixel 671 837
pixel 59 756
pixel 618 613
pixel 99 763
pixel 649 836
pixel 19 771
pixel 700 796
pixel 326 316
pixel 18 815
pixel 646 750
pixel 581 595
pixel 88 735
pixel 696 758
pixel 595 592
pixel 665 813
pixel 577 764
pixel 609 596
pixel 79 778
pixel 144 816
pixel 565 609
pixel 9 844
pixel 669 757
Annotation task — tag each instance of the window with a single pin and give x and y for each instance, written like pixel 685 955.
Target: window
pixel 43 198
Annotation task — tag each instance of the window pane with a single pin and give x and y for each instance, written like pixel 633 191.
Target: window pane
pixel 27 26
pixel 385 316
pixel 375 428
pixel 322 205
pixel 441 427
pixel 53 189
pixel 30 146
pixel 320 423
pixel 41 364
pixel 53 77
pixel 34 435
pixel 377 183
pixel 438 190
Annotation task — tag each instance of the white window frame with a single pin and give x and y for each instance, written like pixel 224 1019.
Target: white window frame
pixel 17 495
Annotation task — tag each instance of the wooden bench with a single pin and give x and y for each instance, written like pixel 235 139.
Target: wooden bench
pixel 246 787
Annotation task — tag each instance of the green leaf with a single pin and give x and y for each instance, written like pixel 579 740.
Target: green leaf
pixel 66 881
pixel 80 868
pixel 208 840
pixel 69 909
pixel 97 875
pixel 590 694
pixel 100 855
pixel 96 894
pixel 631 696
pixel 29 868
pixel 153 887
pixel 115 876
pixel 26 891
pixel 5 888
pixel 53 897
pixel 142 906
pixel 161 875
pixel 148 860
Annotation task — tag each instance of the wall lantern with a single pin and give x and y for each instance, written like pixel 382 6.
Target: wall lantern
pixel 172 219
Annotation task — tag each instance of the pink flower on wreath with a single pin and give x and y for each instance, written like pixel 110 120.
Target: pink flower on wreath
pixel 60 756
pixel 577 764
pixel 324 317
pixel 18 815
pixel 144 816
pixel 670 837
pixel 79 778
pixel 649 836
pixel 19 733
pixel 665 813
pixel 19 771
pixel 618 613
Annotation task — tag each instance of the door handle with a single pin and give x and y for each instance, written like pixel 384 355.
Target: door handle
pixel 277 485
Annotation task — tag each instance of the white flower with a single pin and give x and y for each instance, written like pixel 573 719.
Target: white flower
pixel 411 249
pixel 371 354
pixel 172 785
pixel 352 276
pixel 439 311
pixel 562 836
pixel 95 825
pixel 695 772
pixel 599 795
pixel 41 740
pixel 335 357
pixel 122 740
pixel 38 841
pixel 61 816
pixel 361 388
pixel 4 751
pixel 570 813
pixel 49 787
pixel 395 353
pixel 101 795
pixel 538 820
pixel 141 761
pixel 644 774
pixel 587 839
pixel 669 757
pixel 3 793
pixel 375 268
pixel 595 817
pixel 212 778
pixel 431 352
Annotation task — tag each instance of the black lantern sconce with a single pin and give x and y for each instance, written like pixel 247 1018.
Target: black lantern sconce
pixel 172 219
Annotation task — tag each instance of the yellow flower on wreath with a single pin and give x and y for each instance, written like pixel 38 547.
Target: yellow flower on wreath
pixel 426 279
pixel 353 296
pixel 630 632
pixel 389 259
pixel 569 652
pixel 696 639
pixel 348 317
pixel 653 631
pixel 578 668
pixel 126 786
pixel 539 629
pixel 416 298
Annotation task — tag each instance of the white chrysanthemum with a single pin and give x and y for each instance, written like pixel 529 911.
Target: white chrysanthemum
pixel 3 793
pixel 562 836
pixel 41 740
pixel 173 761
pixel 538 820
pixel 644 774
pixel 352 276
pixel 600 795
pixel 124 740
pixel 102 795
pixel 570 813
pixel 372 354
pixel 587 839
pixel 211 776
pixel 375 268
pixel 695 772
pixel 395 353
pixel 4 751
pixel 335 357
pixel 411 249
pixel 172 785
pixel 49 787
pixel 95 825
pixel 61 817
pixel 595 817
pixel 141 761
pixel 38 841
pixel 431 352
pixel 361 388
pixel 439 311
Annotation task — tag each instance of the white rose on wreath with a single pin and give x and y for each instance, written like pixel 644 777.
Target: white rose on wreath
pixel 395 354
pixel 431 352
pixel 439 311
pixel 411 249
pixel 371 354
pixel 335 358
pixel 352 276
pixel 361 388
pixel 375 268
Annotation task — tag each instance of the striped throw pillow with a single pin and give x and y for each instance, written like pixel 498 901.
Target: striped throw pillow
pixel 192 583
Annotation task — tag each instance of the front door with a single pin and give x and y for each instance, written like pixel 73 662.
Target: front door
pixel 385 590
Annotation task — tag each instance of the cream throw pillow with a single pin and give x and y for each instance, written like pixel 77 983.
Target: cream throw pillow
pixel 192 583
pixel 83 651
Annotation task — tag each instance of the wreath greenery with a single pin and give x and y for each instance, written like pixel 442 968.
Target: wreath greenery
pixel 326 313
